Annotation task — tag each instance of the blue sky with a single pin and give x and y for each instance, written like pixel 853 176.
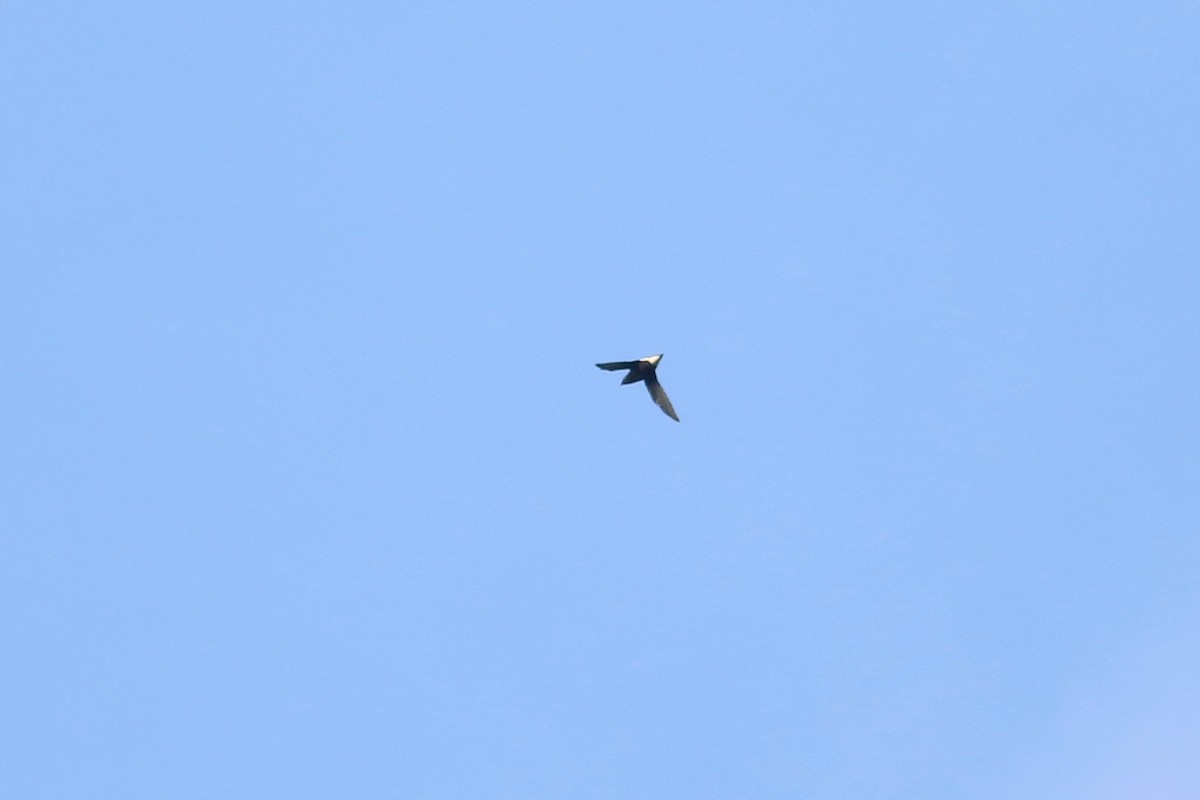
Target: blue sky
pixel 310 488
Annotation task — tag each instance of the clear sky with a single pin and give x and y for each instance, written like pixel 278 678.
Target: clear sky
pixel 309 487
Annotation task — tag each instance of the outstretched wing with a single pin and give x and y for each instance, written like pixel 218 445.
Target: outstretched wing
pixel 615 365
pixel 660 396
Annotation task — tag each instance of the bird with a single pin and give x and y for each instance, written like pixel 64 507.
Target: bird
pixel 645 369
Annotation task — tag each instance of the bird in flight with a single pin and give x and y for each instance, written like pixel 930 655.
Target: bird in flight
pixel 645 369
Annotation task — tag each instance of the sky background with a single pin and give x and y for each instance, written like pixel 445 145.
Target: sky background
pixel 309 487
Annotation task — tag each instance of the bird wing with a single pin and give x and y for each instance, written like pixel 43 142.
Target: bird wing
pixel 615 365
pixel 660 396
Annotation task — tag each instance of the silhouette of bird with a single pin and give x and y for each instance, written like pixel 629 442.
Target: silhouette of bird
pixel 645 369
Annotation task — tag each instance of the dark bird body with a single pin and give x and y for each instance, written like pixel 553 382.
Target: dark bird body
pixel 646 370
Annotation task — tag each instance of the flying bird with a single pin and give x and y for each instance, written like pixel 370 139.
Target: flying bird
pixel 645 369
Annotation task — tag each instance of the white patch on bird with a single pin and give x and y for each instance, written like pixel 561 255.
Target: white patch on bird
pixel 652 359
